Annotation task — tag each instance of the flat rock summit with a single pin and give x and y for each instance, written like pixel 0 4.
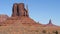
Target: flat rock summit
pixel 21 23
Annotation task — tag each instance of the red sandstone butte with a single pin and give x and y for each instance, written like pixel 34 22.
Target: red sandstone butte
pixel 21 23
pixel 19 10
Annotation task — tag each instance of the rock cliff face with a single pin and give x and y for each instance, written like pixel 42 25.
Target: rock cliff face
pixel 19 10
pixel 21 23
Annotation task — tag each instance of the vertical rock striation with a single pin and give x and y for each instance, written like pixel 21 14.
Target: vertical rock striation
pixel 14 10
pixel 19 10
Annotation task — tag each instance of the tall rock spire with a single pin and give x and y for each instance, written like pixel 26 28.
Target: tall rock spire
pixel 50 22
pixel 14 10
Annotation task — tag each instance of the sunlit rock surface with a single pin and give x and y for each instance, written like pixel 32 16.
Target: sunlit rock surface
pixel 21 23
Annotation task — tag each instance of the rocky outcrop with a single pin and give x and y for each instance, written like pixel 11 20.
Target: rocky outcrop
pixel 50 24
pixel 19 10
pixel 3 18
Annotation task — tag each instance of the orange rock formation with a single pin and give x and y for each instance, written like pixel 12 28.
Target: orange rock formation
pixel 21 23
pixel 19 10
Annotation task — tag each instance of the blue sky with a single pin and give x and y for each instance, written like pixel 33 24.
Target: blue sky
pixel 39 10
